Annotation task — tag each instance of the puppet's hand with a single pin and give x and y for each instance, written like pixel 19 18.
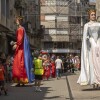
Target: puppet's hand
pixel 14 47
pixel 90 39
pixel 87 37
pixel 12 43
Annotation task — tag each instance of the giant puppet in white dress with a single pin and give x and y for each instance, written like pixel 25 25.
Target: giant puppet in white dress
pixel 90 54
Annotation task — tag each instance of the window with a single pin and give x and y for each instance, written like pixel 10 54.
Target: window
pixel 48 45
pixel 50 2
pixel 3 7
pixel 7 8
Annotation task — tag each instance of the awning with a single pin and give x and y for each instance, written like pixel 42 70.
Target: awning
pixel 4 29
pixel 62 51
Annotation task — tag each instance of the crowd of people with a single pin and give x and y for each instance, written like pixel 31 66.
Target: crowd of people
pixel 7 62
pixel 53 66
pixel 5 71
pixel 65 63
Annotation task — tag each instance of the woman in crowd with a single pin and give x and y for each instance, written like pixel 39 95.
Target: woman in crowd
pixel 53 69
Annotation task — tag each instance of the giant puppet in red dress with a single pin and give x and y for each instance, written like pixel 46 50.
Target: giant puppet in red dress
pixel 19 72
pixel 22 59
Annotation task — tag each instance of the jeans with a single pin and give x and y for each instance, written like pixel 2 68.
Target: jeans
pixel 58 72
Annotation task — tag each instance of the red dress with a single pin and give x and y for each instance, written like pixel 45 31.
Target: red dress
pixel 53 69
pixel 46 71
pixel 2 71
pixel 19 72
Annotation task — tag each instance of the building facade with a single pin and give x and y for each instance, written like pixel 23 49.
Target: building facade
pixel 54 16
pixel 63 21
pixel 77 18
pixel 6 24
pixel 32 19
pixel 9 9
pixel 97 2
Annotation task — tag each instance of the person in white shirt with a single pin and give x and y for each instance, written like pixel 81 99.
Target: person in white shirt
pixel 59 66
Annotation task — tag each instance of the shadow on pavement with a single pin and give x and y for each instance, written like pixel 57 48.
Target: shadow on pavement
pixel 91 89
pixel 26 93
pixel 42 95
pixel 54 97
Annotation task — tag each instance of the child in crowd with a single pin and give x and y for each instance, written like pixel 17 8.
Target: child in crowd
pixel 2 79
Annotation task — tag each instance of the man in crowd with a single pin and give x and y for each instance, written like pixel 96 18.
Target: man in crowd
pixel 59 67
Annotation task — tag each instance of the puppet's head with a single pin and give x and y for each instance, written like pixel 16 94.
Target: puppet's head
pixel 19 20
pixel 45 55
pixel 92 14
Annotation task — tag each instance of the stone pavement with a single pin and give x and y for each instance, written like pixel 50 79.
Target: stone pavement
pixel 78 92
pixel 56 89
pixel 65 88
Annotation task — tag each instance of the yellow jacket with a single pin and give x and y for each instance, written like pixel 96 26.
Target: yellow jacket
pixel 38 68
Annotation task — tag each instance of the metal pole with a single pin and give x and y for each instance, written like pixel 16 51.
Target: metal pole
pixel 5 13
pixel 81 21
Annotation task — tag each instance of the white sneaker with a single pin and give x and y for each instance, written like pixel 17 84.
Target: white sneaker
pixel 39 90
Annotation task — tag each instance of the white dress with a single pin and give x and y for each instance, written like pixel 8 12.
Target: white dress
pixel 90 54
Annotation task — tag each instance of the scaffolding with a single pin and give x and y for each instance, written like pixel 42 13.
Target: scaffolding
pixel 79 18
pixel 63 12
pixel 58 11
